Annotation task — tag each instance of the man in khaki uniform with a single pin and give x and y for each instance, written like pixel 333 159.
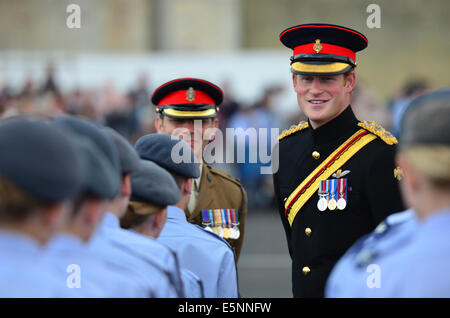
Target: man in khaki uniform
pixel 187 108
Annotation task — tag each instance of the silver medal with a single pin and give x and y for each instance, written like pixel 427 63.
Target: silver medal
pixel 341 204
pixel 322 204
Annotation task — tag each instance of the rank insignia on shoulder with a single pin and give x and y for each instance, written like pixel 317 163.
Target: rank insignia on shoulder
pixel 376 129
pixel 398 173
pixel 293 129
pixel 223 222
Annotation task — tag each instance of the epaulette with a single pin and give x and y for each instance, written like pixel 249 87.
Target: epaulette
pixel 376 129
pixel 293 129
pixel 225 175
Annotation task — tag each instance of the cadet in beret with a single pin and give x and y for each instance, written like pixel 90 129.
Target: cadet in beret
pixel 163 281
pixel 97 278
pixel 153 188
pixel 204 253
pixel 180 103
pixel 41 171
pixel 420 268
pixel 336 177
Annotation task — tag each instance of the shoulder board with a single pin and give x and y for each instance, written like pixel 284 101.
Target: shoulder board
pixel 224 175
pixel 376 129
pixel 293 129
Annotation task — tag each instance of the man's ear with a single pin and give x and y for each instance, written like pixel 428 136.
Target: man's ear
pixel 126 185
pixel 187 186
pixel 410 177
pixel 159 220
pixel 294 80
pixel 159 124
pixel 350 82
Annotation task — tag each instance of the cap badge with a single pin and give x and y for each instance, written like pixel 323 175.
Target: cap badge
pixel 190 94
pixel 317 47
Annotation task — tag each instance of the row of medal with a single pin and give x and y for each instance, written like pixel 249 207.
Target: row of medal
pixel 332 194
pixel 223 222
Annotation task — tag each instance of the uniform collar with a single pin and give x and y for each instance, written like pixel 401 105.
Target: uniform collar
pixel 18 243
pixel 437 222
pixel 65 241
pixel 343 125
pixel 176 213
pixel 110 221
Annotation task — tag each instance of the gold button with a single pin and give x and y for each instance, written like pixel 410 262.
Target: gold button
pixel 306 270
pixel 316 155
pixel 308 231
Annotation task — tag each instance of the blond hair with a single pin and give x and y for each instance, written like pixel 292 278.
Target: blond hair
pixel 16 204
pixel 433 162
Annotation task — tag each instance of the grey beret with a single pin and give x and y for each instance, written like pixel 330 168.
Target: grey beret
pixel 109 179
pixel 170 152
pixel 101 181
pixel 128 157
pixel 426 120
pixel 41 160
pixel 153 184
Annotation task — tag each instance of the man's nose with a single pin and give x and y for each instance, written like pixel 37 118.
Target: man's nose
pixel 316 86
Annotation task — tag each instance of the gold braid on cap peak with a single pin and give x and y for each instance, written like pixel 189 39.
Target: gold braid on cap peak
pixel 376 129
pixel 293 129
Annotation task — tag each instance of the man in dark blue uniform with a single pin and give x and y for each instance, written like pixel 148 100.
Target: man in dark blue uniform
pixel 336 178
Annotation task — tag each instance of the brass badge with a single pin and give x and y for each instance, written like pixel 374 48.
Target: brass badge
pixel 398 173
pixel 190 94
pixel 317 47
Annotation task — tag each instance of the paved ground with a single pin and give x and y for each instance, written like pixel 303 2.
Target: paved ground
pixel 264 266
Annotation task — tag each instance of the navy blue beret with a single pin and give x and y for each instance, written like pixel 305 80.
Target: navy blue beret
pixel 128 157
pixel 153 184
pixel 41 160
pixel 170 152
pixel 111 179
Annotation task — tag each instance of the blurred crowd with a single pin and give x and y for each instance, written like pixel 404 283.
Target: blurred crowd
pixel 131 114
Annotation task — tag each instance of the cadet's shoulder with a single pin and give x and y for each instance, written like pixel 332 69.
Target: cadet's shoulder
pixel 377 130
pixel 224 176
pixel 213 237
pixel 294 129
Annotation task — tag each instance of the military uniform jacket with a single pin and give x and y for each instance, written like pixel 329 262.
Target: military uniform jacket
pixel 219 190
pixel 317 239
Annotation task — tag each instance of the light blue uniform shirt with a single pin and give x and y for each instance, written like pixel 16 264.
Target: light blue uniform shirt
pixel 88 276
pixel 422 269
pixel 360 271
pixel 22 272
pixel 114 243
pixel 204 253
pixel 192 284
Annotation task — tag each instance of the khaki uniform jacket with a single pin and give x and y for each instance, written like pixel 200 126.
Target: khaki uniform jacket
pixel 219 190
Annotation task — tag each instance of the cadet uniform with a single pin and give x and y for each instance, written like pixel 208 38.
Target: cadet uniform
pixel 335 183
pixel 97 279
pixel 44 163
pixel 204 253
pixel 190 98
pixel 351 275
pixel 152 185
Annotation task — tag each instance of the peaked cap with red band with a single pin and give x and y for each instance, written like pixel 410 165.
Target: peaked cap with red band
pixel 188 98
pixel 322 49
